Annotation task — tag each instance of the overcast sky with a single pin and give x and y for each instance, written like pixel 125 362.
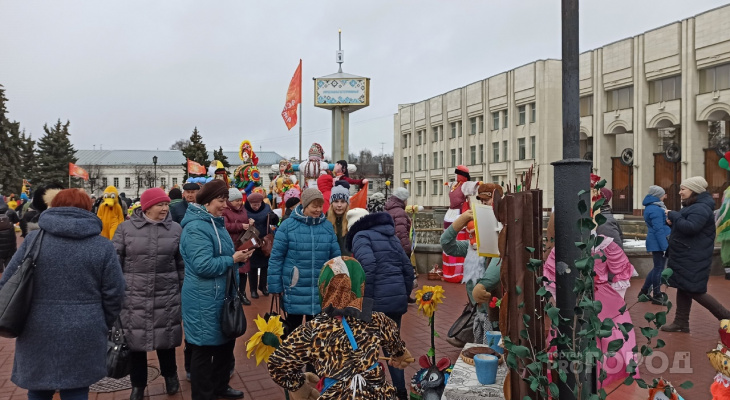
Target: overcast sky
pixel 140 74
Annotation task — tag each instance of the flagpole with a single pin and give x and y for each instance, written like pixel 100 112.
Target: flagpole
pixel 301 109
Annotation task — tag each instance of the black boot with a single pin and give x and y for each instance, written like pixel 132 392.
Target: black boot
pixel 172 384
pixel 254 294
pixel 245 300
pixel 681 316
pixel 402 395
pixel 137 393
pixel 660 299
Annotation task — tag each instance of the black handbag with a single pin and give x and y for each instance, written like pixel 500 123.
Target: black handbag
pixel 118 364
pixel 17 293
pixel 275 310
pixel 233 319
pixel 462 328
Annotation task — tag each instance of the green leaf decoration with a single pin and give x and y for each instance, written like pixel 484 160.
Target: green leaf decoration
pixel 597 205
pixel 530 249
pixel 523 334
pixel 563 375
pixel 554 391
pixel 649 332
pixel 541 292
pixel 518 289
pixel 553 313
pixel 582 192
pixel 525 318
pixel 661 319
pixel 603 375
pixel 431 352
pixel 646 350
pixel 666 274
pixel 600 184
pixel 436 334
pixel 649 317
pixel 622 310
pixel 642 384
pixel 659 344
pixel 600 219
pixel 582 207
pixel 643 298
pixel 521 351
pixel 615 345
pixel 629 380
pixel 686 385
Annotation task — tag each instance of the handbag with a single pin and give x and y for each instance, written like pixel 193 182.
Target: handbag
pixel 233 319
pixel 268 240
pixel 118 363
pixel 16 295
pixel 275 310
pixel 462 328
pixel 247 235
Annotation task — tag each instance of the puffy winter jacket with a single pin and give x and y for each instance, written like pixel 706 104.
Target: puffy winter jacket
pixel 153 270
pixel 7 236
pixel 397 209
pixel 177 211
pixel 234 219
pixel 388 271
pixel 301 247
pixel 208 251
pixel 261 216
pixel 325 183
pixel 691 244
pixel 656 221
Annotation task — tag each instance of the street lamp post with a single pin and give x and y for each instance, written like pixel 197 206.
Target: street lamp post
pixel 154 161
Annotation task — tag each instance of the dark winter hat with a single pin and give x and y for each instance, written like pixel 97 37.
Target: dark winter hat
pixel 175 194
pixel 344 184
pixel 191 186
pixel 606 194
pixel 211 191
pixel 255 197
pixel 292 202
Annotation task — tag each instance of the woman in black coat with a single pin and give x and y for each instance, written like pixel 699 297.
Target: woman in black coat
pixel 691 244
pixel 261 213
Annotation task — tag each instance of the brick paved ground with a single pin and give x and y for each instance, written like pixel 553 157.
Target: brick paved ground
pixel 257 385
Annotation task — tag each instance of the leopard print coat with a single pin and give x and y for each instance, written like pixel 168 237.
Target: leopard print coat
pixel 323 343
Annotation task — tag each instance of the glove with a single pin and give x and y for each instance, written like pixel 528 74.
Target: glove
pixel 480 294
pixel 403 361
pixel 307 391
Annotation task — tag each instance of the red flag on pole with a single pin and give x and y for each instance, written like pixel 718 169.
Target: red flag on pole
pixel 293 98
pixel 74 170
pixel 195 168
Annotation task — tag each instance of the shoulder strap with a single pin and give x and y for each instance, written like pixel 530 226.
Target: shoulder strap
pixel 35 246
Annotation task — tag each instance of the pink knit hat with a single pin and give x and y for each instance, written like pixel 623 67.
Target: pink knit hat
pixel 153 196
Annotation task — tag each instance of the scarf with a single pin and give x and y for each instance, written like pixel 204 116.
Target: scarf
pixel 341 289
pixel 660 204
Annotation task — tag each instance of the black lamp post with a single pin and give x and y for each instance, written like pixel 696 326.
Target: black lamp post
pixel 154 161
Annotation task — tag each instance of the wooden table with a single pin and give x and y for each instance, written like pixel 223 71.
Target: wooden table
pixel 463 383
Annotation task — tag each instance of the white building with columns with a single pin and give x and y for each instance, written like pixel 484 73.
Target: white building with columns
pixel 653 111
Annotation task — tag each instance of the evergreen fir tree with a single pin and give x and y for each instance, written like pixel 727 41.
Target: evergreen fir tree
pixel 218 155
pixel 27 157
pixel 11 179
pixel 195 151
pixel 54 153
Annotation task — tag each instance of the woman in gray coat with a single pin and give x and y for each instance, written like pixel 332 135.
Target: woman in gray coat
pixel 78 291
pixel 148 248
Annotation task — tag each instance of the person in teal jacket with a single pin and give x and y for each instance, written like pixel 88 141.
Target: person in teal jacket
pixel 208 252
pixel 303 243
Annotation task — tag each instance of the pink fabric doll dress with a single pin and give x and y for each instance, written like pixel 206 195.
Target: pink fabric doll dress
pixel 611 296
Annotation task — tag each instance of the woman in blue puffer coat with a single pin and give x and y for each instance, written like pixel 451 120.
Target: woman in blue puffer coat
pixel 208 252
pixel 656 242
pixel 302 244
pixel 388 270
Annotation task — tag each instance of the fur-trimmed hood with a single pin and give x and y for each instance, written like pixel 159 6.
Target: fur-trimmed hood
pixel 43 195
pixel 380 221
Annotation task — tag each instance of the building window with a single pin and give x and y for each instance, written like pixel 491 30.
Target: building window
pixel 435 163
pixel 404 141
pixel 715 78
pixel 453 130
pixel 521 149
pixel 174 181
pixel 481 154
pixel 441 186
pixel 437 133
pixel 533 141
pixel 495 121
pixel 619 99
pixel 453 158
pixel 421 188
pixel 521 114
pixel 495 152
pixel 421 134
pixel 504 151
pixel 533 113
pixel 104 182
pixel 586 106
pixel 473 121
pixel 460 129
pixel 116 182
pixel 163 182
pixel 139 181
pixel 505 122
pixel 473 155
pixel 665 89
pixel 441 159
pixel 127 182
pixel 435 187
pixel 405 164
pixel 495 179
pixel 460 154
pixel 480 123
pixel 370 185
pixel 420 158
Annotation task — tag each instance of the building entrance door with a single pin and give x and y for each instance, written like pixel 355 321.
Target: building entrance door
pixel 623 187
pixel 667 175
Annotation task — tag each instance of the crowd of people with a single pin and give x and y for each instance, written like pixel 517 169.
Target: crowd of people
pixel 157 267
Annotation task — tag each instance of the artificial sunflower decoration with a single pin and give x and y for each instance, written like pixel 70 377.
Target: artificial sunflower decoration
pixel 266 340
pixel 428 299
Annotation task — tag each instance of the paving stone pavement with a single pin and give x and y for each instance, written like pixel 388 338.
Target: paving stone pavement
pixel 257 385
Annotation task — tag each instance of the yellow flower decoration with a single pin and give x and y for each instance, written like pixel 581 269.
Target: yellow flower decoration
pixel 428 298
pixel 266 340
pixel 406 181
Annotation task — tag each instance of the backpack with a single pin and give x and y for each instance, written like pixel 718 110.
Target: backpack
pixel 5 223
